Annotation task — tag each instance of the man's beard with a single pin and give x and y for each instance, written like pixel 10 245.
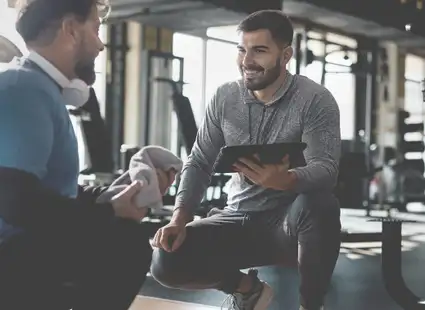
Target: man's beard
pixel 262 78
pixel 85 71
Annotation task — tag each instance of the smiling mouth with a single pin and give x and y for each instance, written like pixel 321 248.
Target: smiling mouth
pixel 252 73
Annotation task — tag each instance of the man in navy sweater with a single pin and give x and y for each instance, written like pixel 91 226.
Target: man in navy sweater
pixel 52 231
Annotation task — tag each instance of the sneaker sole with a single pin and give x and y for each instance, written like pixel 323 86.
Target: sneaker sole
pixel 265 298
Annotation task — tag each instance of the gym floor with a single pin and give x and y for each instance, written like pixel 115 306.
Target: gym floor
pixel 356 284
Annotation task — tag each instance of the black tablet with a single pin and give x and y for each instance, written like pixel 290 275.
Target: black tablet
pixel 268 154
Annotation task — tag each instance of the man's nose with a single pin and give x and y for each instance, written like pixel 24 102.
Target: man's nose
pixel 101 46
pixel 247 60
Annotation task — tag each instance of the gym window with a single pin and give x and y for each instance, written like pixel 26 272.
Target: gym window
pixel 413 98
pixel 414 75
pixel 336 75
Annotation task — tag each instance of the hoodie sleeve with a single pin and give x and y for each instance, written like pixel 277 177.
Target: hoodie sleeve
pixel 323 138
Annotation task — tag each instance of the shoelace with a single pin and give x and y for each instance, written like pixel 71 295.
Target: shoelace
pixel 231 302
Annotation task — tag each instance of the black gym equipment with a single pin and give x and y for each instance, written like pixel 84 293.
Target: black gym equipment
pixel 98 141
pixel 391 265
pixel 412 182
pixel 356 169
pixel 184 112
pixel 188 130
pixel 353 179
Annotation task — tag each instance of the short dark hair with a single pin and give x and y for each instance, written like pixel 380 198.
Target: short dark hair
pixel 43 17
pixel 275 21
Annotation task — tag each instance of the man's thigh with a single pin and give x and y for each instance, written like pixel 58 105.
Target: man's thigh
pixel 233 240
pixel 104 257
pixel 53 270
pixel 314 215
pixel 112 267
pixel 31 276
pixel 277 245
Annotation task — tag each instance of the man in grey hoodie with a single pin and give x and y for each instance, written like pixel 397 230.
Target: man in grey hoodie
pixel 274 213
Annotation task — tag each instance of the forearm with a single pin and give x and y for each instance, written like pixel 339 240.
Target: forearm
pixel 25 203
pixel 194 182
pixel 321 171
pixel 315 176
pixel 197 171
pixel 182 216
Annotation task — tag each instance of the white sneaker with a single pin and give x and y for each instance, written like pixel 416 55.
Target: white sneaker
pixel 259 299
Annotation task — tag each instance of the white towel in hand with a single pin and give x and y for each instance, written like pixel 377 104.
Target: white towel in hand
pixel 142 168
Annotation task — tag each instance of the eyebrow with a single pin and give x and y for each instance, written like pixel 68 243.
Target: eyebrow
pixel 255 46
pixel 261 46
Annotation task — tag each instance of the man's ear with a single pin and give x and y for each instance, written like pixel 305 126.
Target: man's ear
pixel 287 54
pixel 70 28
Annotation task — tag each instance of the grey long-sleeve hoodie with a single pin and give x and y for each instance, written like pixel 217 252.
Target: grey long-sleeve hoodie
pixel 302 111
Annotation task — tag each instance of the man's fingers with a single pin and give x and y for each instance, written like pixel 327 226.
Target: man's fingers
pixel 250 174
pixel 250 164
pixel 156 239
pixel 257 157
pixel 284 165
pixel 244 169
pixel 163 242
pixel 163 180
pixel 171 177
pixel 131 190
pixel 162 176
pixel 178 242
pixel 141 212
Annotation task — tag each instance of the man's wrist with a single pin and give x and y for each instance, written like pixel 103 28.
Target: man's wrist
pixel 290 181
pixel 181 216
